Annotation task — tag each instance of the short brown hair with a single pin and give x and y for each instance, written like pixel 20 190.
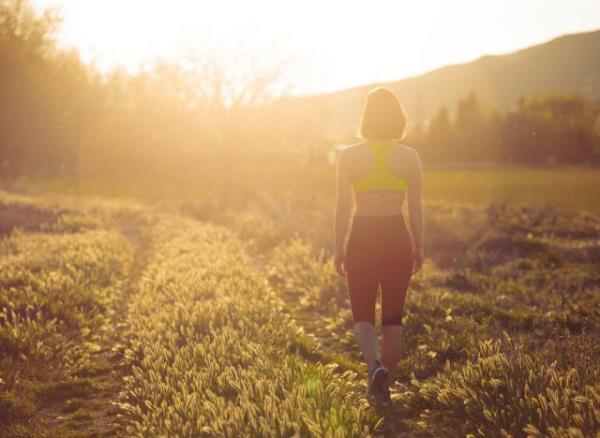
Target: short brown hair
pixel 383 116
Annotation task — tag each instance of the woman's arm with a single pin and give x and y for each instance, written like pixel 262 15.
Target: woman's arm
pixel 343 205
pixel 415 212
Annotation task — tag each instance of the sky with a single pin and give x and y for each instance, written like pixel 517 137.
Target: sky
pixel 328 44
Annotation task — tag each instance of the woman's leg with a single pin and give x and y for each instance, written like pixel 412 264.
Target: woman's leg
pixel 393 340
pixel 363 284
pixel 393 297
pixel 366 336
pixel 394 287
pixel 363 294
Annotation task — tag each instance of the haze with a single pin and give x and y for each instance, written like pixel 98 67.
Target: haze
pixel 333 44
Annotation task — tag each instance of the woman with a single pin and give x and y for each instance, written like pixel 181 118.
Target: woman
pixel 379 253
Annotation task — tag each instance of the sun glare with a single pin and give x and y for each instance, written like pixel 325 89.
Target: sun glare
pixel 336 44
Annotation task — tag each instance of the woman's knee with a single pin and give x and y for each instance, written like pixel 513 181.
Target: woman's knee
pixel 393 318
pixel 360 326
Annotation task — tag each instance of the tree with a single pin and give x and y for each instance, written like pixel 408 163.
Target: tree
pixel 230 86
pixel 440 138
pixel 552 129
pixel 26 46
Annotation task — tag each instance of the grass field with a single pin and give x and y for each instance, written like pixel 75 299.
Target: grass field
pixel 123 318
pixel 569 189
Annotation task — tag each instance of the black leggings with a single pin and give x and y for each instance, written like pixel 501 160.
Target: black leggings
pixel 379 253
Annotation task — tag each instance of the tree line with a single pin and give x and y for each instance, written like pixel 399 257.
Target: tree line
pixel 59 115
pixel 540 130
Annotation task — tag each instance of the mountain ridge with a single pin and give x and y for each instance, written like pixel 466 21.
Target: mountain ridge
pixel 565 64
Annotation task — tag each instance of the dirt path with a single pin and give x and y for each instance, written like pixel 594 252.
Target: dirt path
pixel 85 406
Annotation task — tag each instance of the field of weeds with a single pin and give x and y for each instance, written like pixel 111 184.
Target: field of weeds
pixel 125 319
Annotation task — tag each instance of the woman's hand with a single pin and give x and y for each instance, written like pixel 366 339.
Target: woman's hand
pixel 339 260
pixel 418 257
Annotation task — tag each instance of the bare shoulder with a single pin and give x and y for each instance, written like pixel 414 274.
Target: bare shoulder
pixel 406 150
pixel 353 148
pixel 350 152
pixel 409 154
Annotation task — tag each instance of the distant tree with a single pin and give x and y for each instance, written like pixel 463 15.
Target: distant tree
pixel 551 129
pixel 25 47
pixel 470 127
pixel 440 138
pixel 232 85
pixel 468 113
pixel 440 125
pixel 473 136
pixel 58 115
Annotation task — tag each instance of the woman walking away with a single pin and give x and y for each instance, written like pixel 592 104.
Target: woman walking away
pixel 380 252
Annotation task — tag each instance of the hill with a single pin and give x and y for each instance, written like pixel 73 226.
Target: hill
pixel 569 63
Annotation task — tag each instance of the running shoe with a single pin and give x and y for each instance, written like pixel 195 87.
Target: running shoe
pixel 383 397
pixel 376 378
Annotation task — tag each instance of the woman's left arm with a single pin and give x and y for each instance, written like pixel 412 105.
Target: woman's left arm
pixel 343 205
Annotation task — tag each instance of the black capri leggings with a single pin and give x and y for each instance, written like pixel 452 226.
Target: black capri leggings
pixel 379 253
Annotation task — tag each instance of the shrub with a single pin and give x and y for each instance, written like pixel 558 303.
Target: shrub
pixel 503 391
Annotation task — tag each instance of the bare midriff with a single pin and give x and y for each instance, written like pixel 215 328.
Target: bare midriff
pixel 379 203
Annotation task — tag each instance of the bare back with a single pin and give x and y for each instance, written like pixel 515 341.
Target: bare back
pixel 358 162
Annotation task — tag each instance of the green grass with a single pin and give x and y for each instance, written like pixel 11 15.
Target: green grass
pixel 241 327
pixel 212 352
pixel 523 271
pixel 61 273
pixel 566 188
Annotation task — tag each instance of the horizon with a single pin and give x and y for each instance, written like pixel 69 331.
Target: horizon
pixel 324 60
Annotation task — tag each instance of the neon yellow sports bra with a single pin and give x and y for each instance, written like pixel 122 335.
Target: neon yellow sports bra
pixel 382 177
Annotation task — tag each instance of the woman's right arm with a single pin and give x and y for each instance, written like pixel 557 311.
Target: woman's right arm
pixel 415 211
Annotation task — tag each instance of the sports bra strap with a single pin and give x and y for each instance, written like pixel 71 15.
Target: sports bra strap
pixel 382 177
